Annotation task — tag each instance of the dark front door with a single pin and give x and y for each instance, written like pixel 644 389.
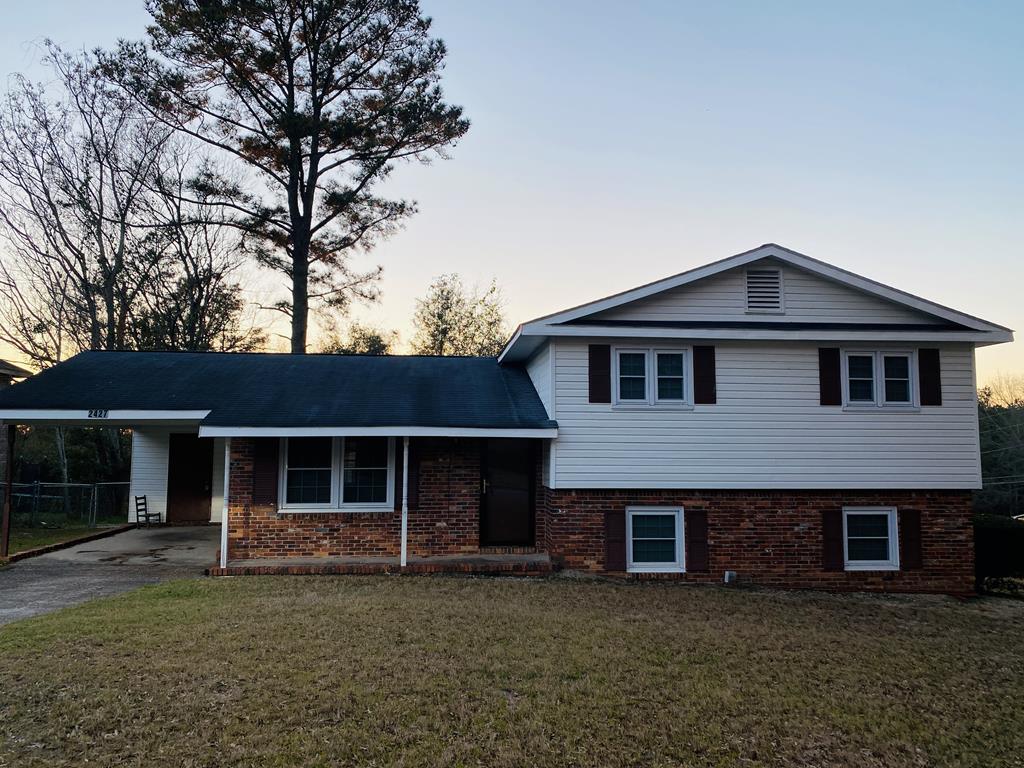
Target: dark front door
pixel 506 509
pixel 189 479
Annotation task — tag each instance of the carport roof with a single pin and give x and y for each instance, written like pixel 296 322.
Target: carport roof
pixel 239 393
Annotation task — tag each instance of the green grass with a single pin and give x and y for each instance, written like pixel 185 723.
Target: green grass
pixel 30 538
pixel 404 671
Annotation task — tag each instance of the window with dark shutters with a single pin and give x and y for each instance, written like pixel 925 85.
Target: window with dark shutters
pixel 265 468
pixel 832 540
pixel 929 374
pixel 910 539
pixel 696 522
pixel 414 475
pixel 705 389
pixel 599 373
pixel 830 377
pixel 615 541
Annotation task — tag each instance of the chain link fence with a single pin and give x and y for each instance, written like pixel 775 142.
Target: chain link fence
pixel 68 505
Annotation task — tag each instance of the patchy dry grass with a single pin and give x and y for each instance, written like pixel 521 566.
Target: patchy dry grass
pixel 475 672
pixel 30 538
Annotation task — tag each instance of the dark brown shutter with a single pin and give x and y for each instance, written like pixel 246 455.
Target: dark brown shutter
pixel 929 373
pixel 599 372
pixel 615 541
pixel 704 388
pixel 265 471
pixel 399 466
pixel 832 539
pixel 910 539
pixel 830 380
pixel 696 540
pixel 414 474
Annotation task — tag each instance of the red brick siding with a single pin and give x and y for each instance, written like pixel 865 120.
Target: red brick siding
pixel 774 538
pixel 446 520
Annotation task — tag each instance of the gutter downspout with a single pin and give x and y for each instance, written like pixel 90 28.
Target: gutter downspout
pixel 405 501
pixel 224 511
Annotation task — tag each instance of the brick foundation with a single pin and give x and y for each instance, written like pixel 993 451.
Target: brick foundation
pixel 774 538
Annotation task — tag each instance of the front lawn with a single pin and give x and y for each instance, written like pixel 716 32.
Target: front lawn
pixel 407 671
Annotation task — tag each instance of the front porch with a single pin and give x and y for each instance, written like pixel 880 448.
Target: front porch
pixel 336 504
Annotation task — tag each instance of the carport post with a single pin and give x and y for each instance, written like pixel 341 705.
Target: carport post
pixel 224 511
pixel 5 521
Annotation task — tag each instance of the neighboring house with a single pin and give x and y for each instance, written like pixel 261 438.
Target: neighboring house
pixel 767 414
pixel 8 373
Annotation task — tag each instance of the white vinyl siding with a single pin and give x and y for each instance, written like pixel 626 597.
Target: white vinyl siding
pixel 807 298
pixel 767 430
pixel 149 470
pixel 539 371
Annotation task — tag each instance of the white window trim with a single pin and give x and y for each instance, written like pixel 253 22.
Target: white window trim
pixel 651 379
pixel 893 563
pixel 679 566
pixel 782 292
pixel 337 478
pixel 878 356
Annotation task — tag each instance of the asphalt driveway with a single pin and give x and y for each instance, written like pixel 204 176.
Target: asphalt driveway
pixel 105 567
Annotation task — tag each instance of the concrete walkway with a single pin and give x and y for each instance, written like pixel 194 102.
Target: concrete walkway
pixel 105 567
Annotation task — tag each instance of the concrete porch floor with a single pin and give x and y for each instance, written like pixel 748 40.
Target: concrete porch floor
pixel 531 564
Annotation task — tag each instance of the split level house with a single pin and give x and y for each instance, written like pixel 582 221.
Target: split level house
pixel 768 415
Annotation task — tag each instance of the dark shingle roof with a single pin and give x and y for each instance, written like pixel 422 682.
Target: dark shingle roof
pixel 270 390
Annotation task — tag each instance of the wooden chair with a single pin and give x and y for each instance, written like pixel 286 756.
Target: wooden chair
pixel 142 513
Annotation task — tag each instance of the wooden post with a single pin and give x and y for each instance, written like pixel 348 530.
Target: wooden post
pixel 5 520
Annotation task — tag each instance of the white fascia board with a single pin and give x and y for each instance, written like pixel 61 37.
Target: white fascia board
pixel 763 252
pixel 91 417
pixel 618 332
pixel 836 485
pixel 217 431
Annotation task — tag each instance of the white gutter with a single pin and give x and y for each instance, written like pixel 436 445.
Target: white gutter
pixel 405 500
pixel 224 512
pixel 214 431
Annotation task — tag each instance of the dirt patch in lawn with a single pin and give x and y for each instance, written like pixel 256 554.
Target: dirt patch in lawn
pixel 483 672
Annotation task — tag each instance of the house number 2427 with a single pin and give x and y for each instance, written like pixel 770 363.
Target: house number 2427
pixel 99 413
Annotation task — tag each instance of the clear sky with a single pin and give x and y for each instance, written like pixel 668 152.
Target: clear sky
pixel 615 143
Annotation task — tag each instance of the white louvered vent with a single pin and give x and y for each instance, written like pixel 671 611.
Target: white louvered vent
pixel 764 290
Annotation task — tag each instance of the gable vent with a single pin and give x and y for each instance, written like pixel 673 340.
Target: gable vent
pixel 764 290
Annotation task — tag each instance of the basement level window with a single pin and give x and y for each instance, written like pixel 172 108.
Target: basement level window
pixel 764 290
pixel 870 539
pixel 654 540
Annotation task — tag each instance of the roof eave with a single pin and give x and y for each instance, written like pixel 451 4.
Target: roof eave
pixel 207 430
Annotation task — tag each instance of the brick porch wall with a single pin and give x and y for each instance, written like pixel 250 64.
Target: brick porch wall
pixel 774 538
pixel 445 521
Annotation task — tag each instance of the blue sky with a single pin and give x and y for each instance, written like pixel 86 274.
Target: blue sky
pixel 615 143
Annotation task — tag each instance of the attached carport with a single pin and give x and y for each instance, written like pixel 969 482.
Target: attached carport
pixel 179 473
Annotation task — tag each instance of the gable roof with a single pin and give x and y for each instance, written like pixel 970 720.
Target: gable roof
pixel 12 371
pixel 964 327
pixel 274 393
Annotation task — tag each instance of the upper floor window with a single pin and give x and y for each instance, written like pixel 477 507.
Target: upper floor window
pixel 651 376
pixel 878 378
pixel 337 472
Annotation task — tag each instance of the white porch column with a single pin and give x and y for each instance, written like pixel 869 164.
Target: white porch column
pixel 224 512
pixel 405 500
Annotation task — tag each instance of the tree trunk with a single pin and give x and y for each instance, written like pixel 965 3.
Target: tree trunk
pixel 300 294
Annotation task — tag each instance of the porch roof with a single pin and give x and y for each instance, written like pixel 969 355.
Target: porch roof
pixel 250 393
